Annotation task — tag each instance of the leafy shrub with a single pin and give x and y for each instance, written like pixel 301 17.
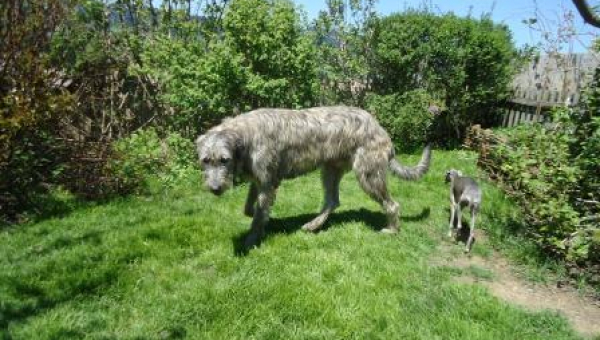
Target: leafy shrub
pixel 144 158
pixel 343 33
pixel 276 50
pixel 585 146
pixel 544 168
pixel 30 163
pixel 263 58
pixel 464 61
pixel 112 101
pixel 32 102
pixel 405 117
pixel 203 85
pixel 536 164
pixel 554 173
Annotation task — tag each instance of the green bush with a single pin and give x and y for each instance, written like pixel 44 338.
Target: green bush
pixel 464 61
pixel 144 159
pixel 97 49
pixel 276 50
pixel 405 117
pixel 585 145
pixel 202 85
pixel 548 170
pixel 536 163
pixel 32 104
pixel 554 173
pixel 343 33
pixel 263 58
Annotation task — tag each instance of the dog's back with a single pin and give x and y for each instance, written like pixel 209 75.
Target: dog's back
pixel 301 140
pixel 466 191
pixel 317 125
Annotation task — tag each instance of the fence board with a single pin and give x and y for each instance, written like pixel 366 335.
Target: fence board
pixel 548 82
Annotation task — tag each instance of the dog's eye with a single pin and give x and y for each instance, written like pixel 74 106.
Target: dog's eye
pixel 205 160
pixel 224 160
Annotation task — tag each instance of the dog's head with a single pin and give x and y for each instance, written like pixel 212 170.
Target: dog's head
pixel 450 174
pixel 217 151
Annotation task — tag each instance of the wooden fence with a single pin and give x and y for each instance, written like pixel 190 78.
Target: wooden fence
pixel 533 106
pixel 548 82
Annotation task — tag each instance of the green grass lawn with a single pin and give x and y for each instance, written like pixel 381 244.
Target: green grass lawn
pixel 169 266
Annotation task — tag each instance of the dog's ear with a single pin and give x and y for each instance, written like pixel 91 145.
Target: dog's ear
pixel 238 146
pixel 234 142
pixel 459 173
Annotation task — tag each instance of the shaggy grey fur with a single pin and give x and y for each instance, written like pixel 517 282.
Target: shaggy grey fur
pixel 269 145
pixel 464 191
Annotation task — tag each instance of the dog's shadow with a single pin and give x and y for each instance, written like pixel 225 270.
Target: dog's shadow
pixel 288 225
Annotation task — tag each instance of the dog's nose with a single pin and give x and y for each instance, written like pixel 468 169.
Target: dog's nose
pixel 216 190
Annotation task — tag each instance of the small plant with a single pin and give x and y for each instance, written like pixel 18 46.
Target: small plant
pixel 144 158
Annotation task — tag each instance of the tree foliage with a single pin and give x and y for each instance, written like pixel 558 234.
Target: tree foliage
pixel 263 58
pixel 465 62
pixel 276 50
pixel 344 37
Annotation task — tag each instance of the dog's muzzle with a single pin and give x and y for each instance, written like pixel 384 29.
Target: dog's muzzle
pixel 216 190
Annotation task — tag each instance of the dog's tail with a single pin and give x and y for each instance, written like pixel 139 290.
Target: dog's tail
pixel 412 173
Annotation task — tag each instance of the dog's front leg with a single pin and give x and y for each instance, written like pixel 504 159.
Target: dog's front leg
pixel 251 200
pixel 451 224
pixel 264 200
pixel 458 211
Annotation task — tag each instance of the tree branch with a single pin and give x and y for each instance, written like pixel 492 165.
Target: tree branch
pixel 587 13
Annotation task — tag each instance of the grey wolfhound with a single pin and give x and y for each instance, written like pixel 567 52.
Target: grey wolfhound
pixel 464 191
pixel 267 146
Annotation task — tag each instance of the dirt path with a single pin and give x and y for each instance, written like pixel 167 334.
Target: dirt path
pixel 582 312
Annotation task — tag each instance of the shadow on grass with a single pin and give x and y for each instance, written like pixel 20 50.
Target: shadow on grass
pixel 462 235
pixel 288 225
pixel 35 299
pixel 93 237
pixel 34 292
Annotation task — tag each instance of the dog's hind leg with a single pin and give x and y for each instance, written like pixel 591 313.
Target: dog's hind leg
pixel 474 209
pixel 374 183
pixel 264 201
pixel 391 209
pixel 331 177
pixel 458 212
pixel 251 200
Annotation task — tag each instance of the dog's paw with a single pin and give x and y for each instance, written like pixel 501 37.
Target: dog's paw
pixel 389 231
pixel 252 240
pixel 309 227
pixel 249 212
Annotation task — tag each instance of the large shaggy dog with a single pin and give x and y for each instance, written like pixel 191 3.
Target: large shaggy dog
pixel 269 145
